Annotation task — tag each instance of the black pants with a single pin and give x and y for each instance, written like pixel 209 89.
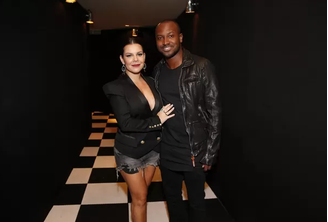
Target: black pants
pixel 195 183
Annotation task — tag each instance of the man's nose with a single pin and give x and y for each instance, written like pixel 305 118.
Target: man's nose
pixel 165 41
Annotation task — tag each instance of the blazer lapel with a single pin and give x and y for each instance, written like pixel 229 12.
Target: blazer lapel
pixel 139 100
pixel 151 85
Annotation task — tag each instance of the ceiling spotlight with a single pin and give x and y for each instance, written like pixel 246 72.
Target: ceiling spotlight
pixel 89 15
pixel 191 6
pixel 127 25
pixel 70 1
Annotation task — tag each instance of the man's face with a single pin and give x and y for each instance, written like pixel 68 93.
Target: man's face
pixel 168 39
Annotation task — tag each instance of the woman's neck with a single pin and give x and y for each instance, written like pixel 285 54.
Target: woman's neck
pixel 134 77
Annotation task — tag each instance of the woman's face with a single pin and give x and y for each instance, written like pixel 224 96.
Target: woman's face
pixel 133 58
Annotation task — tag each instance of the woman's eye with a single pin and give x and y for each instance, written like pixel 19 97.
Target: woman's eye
pixel 128 55
pixel 140 54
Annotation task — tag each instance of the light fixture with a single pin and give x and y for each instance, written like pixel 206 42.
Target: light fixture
pixel 127 25
pixel 70 1
pixel 134 32
pixel 191 6
pixel 89 15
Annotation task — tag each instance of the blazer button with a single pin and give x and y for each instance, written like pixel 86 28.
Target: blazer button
pixel 158 138
pixel 142 142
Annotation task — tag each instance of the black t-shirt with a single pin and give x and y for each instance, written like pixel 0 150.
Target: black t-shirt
pixel 175 148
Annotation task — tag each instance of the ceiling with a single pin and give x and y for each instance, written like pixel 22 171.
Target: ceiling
pixel 115 14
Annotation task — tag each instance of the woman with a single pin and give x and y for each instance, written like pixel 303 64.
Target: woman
pixel 140 114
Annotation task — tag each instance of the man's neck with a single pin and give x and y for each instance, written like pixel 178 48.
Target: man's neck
pixel 175 61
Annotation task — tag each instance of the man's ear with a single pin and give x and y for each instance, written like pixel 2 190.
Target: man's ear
pixel 181 37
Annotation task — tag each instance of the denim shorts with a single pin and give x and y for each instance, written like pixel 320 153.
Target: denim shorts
pixel 130 165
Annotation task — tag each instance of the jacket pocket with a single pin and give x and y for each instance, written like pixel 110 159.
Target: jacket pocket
pixel 199 132
pixel 201 112
pixel 192 79
pixel 126 139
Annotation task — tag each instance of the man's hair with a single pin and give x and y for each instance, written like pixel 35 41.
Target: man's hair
pixel 170 20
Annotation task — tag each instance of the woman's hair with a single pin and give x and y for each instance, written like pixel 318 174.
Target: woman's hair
pixel 131 40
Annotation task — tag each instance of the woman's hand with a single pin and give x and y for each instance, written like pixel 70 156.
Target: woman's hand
pixel 165 112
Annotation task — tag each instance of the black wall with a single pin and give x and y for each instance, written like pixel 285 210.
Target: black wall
pixel 105 64
pixel 45 111
pixel 271 63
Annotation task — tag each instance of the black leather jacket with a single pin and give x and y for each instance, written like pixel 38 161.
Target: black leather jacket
pixel 201 105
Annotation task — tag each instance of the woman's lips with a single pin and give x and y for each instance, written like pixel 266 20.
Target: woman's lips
pixel 136 65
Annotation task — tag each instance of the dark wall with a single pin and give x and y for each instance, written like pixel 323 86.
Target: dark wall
pixel 105 64
pixel 45 110
pixel 271 63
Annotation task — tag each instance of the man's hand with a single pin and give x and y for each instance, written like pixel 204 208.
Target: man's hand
pixel 206 167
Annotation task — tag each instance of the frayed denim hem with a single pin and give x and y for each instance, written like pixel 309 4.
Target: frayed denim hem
pixel 137 169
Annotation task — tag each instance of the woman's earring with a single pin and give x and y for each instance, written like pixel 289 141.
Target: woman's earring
pixel 145 66
pixel 123 68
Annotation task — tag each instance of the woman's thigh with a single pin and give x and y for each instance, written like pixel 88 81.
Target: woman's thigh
pixel 136 184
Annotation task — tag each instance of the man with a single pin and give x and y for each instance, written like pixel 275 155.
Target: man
pixel 190 140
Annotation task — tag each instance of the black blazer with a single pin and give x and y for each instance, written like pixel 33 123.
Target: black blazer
pixel 139 128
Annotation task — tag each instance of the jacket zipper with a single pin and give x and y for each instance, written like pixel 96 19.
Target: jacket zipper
pixel 160 95
pixel 156 86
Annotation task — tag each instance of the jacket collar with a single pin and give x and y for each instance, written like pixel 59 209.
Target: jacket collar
pixel 187 59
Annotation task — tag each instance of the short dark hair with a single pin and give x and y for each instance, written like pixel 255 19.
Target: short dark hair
pixel 170 20
pixel 131 40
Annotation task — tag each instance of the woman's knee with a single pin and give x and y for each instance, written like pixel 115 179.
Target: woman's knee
pixel 139 198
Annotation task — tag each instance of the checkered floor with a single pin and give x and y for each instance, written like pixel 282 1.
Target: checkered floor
pixel 93 193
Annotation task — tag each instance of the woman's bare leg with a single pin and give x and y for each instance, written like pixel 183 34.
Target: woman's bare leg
pixel 149 172
pixel 138 190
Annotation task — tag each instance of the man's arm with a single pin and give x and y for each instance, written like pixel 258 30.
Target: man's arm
pixel 214 111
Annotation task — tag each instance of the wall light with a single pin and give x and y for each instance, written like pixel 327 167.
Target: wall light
pixel 134 32
pixel 89 15
pixel 70 1
pixel 191 6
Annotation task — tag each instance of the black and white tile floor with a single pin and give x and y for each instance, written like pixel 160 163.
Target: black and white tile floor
pixel 93 193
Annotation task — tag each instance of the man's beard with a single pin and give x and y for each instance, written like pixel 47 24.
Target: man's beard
pixel 173 53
